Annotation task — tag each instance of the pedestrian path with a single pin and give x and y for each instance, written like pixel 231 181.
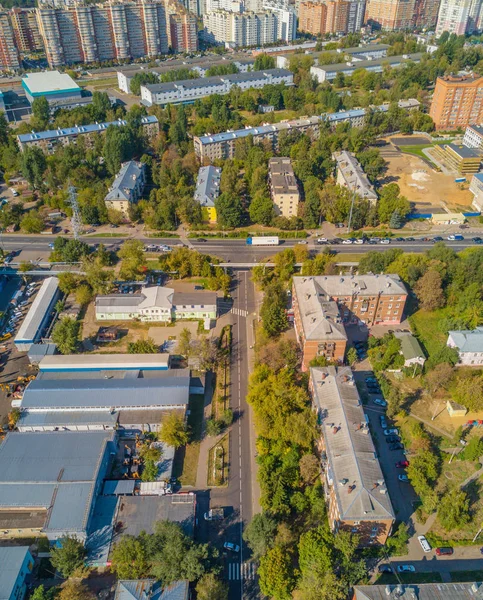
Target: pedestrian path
pixel 237 571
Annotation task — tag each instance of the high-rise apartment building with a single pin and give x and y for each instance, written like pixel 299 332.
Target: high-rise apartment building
pixel 457 102
pixel 9 57
pixel 286 19
pixel 102 32
pixel 240 29
pixel 312 17
pixel 183 30
pixel 26 29
pixel 426 13
pixel 459 16
pixel 390 14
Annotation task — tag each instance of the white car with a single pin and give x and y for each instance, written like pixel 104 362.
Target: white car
pixel 231 547
pixel 385 241
pixel 347 241
pixel 359 241
pixel 322 240
pixel 425 545
pixel 302 242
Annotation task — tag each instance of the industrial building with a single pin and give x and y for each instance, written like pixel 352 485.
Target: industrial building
pixel 189 90
pixel 78 363
pixel 355 488
pixel 16 568
pixel 52 85
pixel 49 140
pixel 284 190
pixel 207 191
pixel 351 175
pixel 324 304
pixel 356 53
pixel 156 304
pixel 222 145
pixel 131 400
pixel 127 188
pixel 38 316
pixel 49 482
pixel 329 72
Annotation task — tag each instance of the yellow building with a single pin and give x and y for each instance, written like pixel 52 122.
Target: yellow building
pixel 207 191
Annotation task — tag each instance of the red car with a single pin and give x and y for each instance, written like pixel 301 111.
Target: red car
pixel 402 464
pixel 443 551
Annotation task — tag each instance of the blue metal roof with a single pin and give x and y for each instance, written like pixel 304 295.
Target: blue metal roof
pixel 12 559
pixel 71 131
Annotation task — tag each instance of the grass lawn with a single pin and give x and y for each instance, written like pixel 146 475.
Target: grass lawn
pixel 107 235
pixel 108 81
pixel 425 324
pixel 467 575
pixel 185 464
pixel 387 578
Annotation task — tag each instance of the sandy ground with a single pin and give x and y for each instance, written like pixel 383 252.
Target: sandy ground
pixel 425 187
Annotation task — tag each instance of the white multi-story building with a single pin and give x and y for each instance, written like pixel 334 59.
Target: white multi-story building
pixel 469 345
pixel 189 90
pixel 459 16
pixel 476 188
pixel 473 137
pixel 240 29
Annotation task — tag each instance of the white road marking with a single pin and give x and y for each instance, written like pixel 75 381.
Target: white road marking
pixel 246 570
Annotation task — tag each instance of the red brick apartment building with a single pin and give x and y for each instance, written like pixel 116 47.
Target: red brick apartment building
pixel 355 489
pixel 324 304
pixel 457 102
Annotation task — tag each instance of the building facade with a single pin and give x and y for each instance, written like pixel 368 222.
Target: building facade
pixel 313 17
pixel 103 32
pixel 323 305
pixel 54 86
pixel 476 188
pixel 459 16
pixel 473 137
pixel 469 345
pixel 17 566
pixel 460 159
pixel 426 14
pixel 355 489
pixel 351 175
pixel 390 14
pixel 183 30
pixel 49 140
pixel 26 29
pixel 9 56
pixel 283 187
pixel 240 29
pixel 207 191
pixel 457 102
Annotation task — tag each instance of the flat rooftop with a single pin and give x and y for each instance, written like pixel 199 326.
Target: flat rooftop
pixel 366 64
pixel 11 559
pixel 49 82
pixel 101 362
pixel 36 314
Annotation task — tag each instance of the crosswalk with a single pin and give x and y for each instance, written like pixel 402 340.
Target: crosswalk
pixel 239 311
pixel 237 571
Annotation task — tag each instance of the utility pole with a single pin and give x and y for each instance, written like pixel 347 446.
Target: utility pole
pixel 76 218
pixel 350 214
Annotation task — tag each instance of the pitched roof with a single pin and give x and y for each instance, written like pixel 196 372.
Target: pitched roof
pixel 467 341
pixel 353 466
pixel 208 185
pixel 148 589
pixel 126 181
pixel 155 296
pixel 354 176
pixel 424 591
pixel 410 347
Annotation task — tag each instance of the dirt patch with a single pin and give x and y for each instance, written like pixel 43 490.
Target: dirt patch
pixel 425 187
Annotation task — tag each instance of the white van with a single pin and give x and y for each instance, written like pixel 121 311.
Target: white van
pixel 13 191
pixel 424 543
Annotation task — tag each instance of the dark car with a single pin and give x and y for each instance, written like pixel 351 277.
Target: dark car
pixel 410 239
pixel 397 446
pixel 385 569
pixel 201 240
pixel 399 239
pixel 437 239
pixel 391 439
pixel 372 242
pixel 476 239
pixel 479 242
pixel 444 551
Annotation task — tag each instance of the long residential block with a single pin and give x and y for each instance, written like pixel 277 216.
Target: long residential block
pixel 189 90
pixel 49 140
pixel 351 175
pixel 355 488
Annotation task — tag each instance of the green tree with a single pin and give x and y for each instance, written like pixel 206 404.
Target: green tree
pixel 68 282
pixel 351 356
pixel 185 343
pixel 261 209
pixel 429 290
pixel 473 450
pixel 4 129
pixel 150 471
pixel 264 62
pixel 390 201
pixel 260 533
pixel 33 165
pixel 174 431
pixel 130 557
pixel 101 105
pixel 454 509
pixel 32 222
pixel 83 294
pixel 133 264
pixel 68 556
pixel 41 110
pixel 276 574
pixel 147 346
pixel 273 308
pixel 309 468
pixel 142 79
pixel 119 146
pixel 75 590
pixel 66 335
pixel 209 587
pixel 41 593
pixel 396 221
pixel 229 210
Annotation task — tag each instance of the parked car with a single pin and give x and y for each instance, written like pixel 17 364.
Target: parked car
pixel 372 242
pixel 231 547
pixel 402 464
pixel 476 239
pixel 201 240
pixel 406 569
pixel 403 478
pixel 397 446
pixel 371 380
pixel 359 241
pixel 399 239
pixel 444 551
pixel 391 439
pixel 385 241
pixel 322 241
pixel 380 402
pixel 347 241
pixel 392 431
pixel 304 242
pixel 425 545
pixel 437 238
pixel 384 423
pixel 385 569
pixel 410 239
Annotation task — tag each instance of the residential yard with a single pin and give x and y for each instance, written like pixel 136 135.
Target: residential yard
pixel 185 463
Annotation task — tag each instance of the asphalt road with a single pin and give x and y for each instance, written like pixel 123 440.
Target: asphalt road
pixel 233 250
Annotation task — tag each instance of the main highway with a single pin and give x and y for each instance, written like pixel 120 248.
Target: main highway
pixel 36 247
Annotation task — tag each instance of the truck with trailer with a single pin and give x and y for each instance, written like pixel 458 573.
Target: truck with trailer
pixel 263 241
